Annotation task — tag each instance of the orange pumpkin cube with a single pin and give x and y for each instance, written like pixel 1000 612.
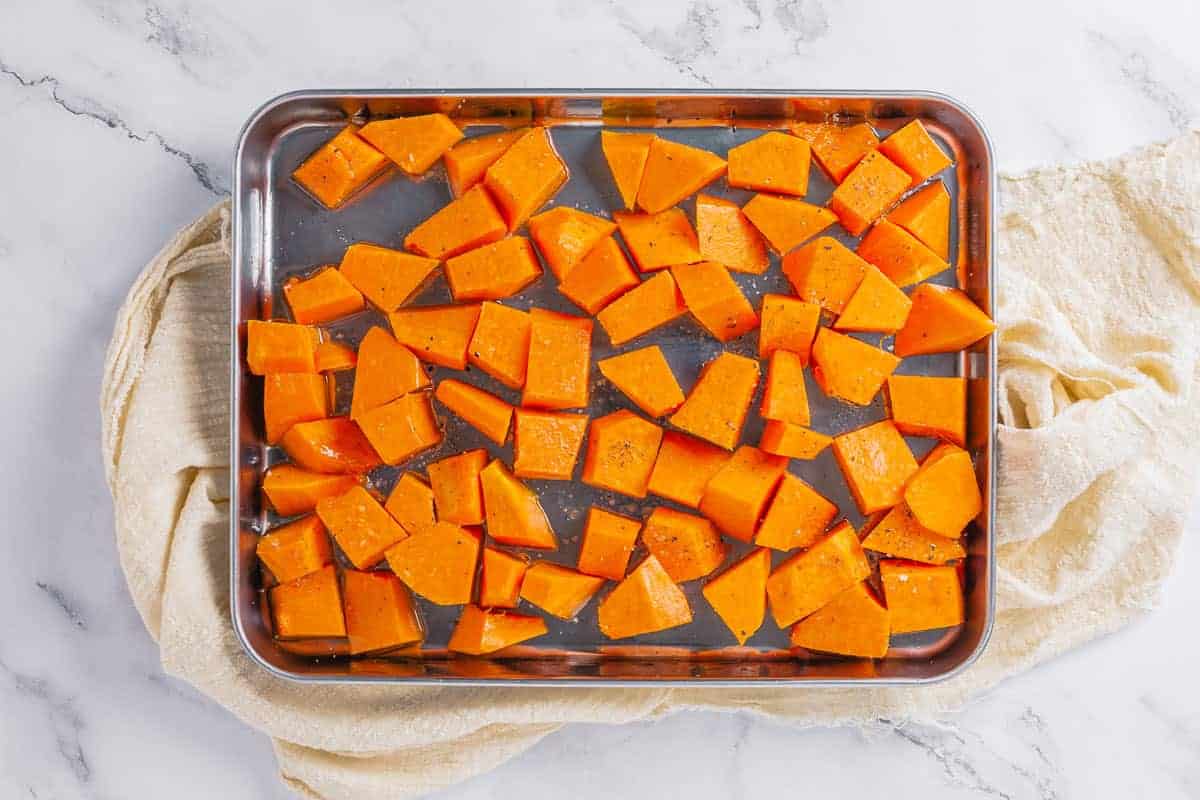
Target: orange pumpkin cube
pixel 380 614
pixel 323 297
pixel 330 445
pixel 526 176
pixel 659 240
pixel 335 357
pixel 854 623
pixel 876 463
pixel 674 171
pixel 294 550
pixel 546 443
pixel 468 160
pixel 280 347
pixel 921 597
pixel 868 191
pixel 389 278
pixel 785 397
pixel 737 496
pixel 877 306
pixel 411 503
pixel 309 607
pixel 413 143
pixel 500 578
pixel 455 484
pixel 825 272
pixel 500 344
pixel 465 223
pixel 291 490
pixel 386 371
pixel 687 546
pixel 726 236
pixel 496 270
pixel 482 631
pixel 484 411
pixel 849 369
pixel 915 151
pixel 798 516
pixel 621 451
pixel 716 408
pixel 600 277
pixel 715 299
pixel 927 406
pixel 739 594
pixel 899 254
pixel 558 590
pixel 438 562
pixel 942 320
pixel 926 215
pixel 792 441
pixel 514 513
pixel 291 397
pixel 608 541
pixel 785 222
pixel 402 428
pixel 788 323
pixel 437 334
pixel 944 493
pixel 564 235
pixel 626 155
pixel 837 148
pixel 900 535
pixel 684 467
pixel 645 377
pixel 773 162
pixel 341 167
pixel 648 305
pixel 814 577
pixel 360 526
pixel 647 601
pixel 560 358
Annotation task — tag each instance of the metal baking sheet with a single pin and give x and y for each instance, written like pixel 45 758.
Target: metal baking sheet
pixel 279 231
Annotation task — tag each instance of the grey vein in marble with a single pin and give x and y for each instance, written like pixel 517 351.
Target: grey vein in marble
pixel 947 746
pixel 755 11
pixel 691 40
pixel 805 21
pixel 65 720
pixel 64 603
pixel 1136 71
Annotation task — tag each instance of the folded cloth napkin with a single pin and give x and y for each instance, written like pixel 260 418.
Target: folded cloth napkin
pixel 1099 313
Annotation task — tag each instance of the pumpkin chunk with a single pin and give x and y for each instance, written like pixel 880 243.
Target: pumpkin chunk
pixel 291 397
pixel 876 463
pixel 687 546
pixel 280 347
pixel 626 155
pixel 308 607
pixel 942 320
pixel 716 408
pixel 773 162
pixel 514 513
pixel 608 541
pixel 335 357
pixel 411 503
pixel 500 343
pixel 360 526
pixel 564 235
pixel 737 496
pixel 412 143
pixel 926 406
pixel 798 516
pixel 546 443
pixel 621 451
pixel 659 240
pixel 785 222
pixel 526 176
pixel 915 151
pixel 322 297
pixel 438 334
pixel 484 411
pixel 341 167
pixel 438 562
pixel 386 371
pixel 900 535
pixel 788 324
pixel 388 278
pixel 648 305
pixel 825 272
pixel 814 577
pixel 560 352
pixel 868 191
pixel 849 369
pixel 292 490
pixel 726 236
pixel 468 160
pixel 455 484
pixel 921 597
pixel 493 271
pixel 674 171
pixel 647 601
pixel 402 428
pixel 785 397
pixel 645 378
pixel 380 614
pixel 602 276
pixel 944 493
pixel 899 254
pixel 684 467
pixel 479 631
pixel 330 445
pixel 464 223
pixel 837 148
pixel 715 299
pixel 500 578
pixel 558 590
pixel 854 623
pixel 739 594
pixel 926 215
pixel 792 441
pixel 877 305
pixel 294 550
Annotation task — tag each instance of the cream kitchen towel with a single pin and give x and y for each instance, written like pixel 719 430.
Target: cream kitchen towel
pixel 1099 312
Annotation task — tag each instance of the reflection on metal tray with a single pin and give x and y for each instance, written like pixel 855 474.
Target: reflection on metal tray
pixel 280 231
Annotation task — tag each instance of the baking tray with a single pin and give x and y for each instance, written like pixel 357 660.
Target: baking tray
pixel 279 231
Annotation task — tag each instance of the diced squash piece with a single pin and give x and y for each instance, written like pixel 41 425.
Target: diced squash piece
pixel 876 463
pixel 437 334
pixel 341 167
pixel 330 445
pixel 621 451
pixel 715 299
pixel 825 272
pixel 360 525
pixel 774 162
pixel 926 215
pixel 647 601
pixel 558 590
pixel 684 467
pixel 500 344
pixel 921 597
pixel 648 305
pixel 560 359
pixel 849 369
pixel 455 484
pixel 785 397
pixel 739 594
pixel 389 278
pixel 526 176
pixel 737 496
pixel 546 443
pixel 659 240
pixel 798 516
pixel 944 494
pixel 674 171
pixel 291 397
pixel 468 160
pixel 564 235
pixel 602 276
pixel 466 222
pixel 942 320
pixel 900 535
pixel 877 306
pixel 292 490
pixel 814 577
pixel 411 503
pixel 308 607
pixel 837 148
pixel 496 270
pixel 386 370
pixel 608 541
pixel 280 347
pixel 626 155
pixel 792 441
pixel 645 377
pixel 915 151
pixel 323 297
pixel 335 357
pixel 479 631
pixel 296 549
pixel 868 191
pixel 500 578
pixel 380 614
pixel 899 254
pixel 854 623
pixel 402 428
pixel 484 411
pixel 785 222
pixel 687 546
pixel 788 323
pixel 726 236
pixel 514 513
pixel 925 406
pixel 716 408
pixel 413 143
pixel 438 562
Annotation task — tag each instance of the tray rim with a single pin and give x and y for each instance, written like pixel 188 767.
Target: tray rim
pixel 238 253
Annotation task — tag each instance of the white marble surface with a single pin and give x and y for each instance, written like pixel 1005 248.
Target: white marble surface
pixel 118 119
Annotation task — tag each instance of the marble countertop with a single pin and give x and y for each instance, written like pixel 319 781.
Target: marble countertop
pixel 119 118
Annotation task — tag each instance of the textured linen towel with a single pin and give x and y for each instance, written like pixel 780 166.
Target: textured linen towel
pixel 1099 314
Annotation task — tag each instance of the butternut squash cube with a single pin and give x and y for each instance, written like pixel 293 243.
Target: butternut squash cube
pixel 915 151
pixel 900 535
pixel 674 171
pixel 876 463
pixel 687 546
pixel 684 467
pixel 715 299
pixel 560 357
pixel 921 597
pixel 402 428
pixel 500 578
pixel 413 143
pixel 468 160
pixel 877 305
pixel 870 189
pixel 626 155
pixel 621 451
pixel 647 601
pixel 380 614
pixel 280 347
pixel 546 443
pixel 944 493
pixel 464 223
pixel 485 412
pixel 837 148
pixel 659 240
pixel 739 594
pixel 294 550
pixel 411 503
pixel 645 378
pixel 455 484
pixel 309 607
pixel 854 623
pixel 648 305
pixel 608 541
pixel 726 236
pixel 899 254
pixel 526 176
pixel 496 270
pixel 785 397
pixel 389 278
pixel 437 334
pixel 341 167
pixel 479 631
pixel 814 577
pixel 438 562
pixel 785 222
pixel 335 357
pixel 500 343
pixel 564 235
pixel 926 215
pixel 514 513
pixel 716 408
pixel 737 496
pixel 788 323
pixel 849 369
pixel 322 297
pixel 360 526
pixel 792 441
pixel 291 490
pixel 926 406
pixel 386 371
pixel 602 276
pixel 825 272
pixel 558 590
pixel 330 445
pixel 942 320
pixel 774 162
pixel 798 516
pixel 291 397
